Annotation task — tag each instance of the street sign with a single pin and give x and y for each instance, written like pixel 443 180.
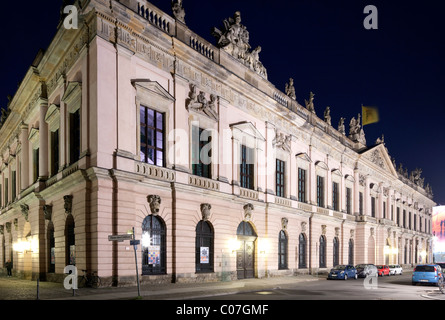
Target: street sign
pixel 120 237
pixel 135 242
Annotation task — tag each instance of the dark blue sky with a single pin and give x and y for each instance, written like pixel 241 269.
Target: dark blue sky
pixel 322 44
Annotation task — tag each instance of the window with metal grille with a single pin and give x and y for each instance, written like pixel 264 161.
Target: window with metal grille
pixel 204 247
pixel 322 252
pixel 336 252
pixel 302 245
pixel 351 252
pixel 282 250
pixel 153 246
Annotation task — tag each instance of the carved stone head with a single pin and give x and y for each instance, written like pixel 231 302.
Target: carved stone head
pixel 284 223
pixel 248 208
pixel 47 212
pixel 205 211
pixel 25 211
pixel 155 204
pixel 68 204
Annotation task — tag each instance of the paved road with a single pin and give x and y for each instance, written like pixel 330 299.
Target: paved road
pixel 382 288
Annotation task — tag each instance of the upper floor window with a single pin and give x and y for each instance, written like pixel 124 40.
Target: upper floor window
pixel 335 197
pixel 247 168
pixel 35 163
pixel 301 185
pixel 201 152
pixel 74 136
pixel 360 203
pixel 320 191
pixel 55 162
pixel 152 136
pixel 348 200
pixel 279 177
pixel 373 207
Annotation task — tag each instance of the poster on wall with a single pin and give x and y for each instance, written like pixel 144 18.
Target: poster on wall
pixel 53 255
pixel 154 253
pixel 73 255
pixel 205 255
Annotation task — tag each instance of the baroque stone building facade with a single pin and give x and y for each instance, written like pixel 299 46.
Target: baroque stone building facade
pixel 134 121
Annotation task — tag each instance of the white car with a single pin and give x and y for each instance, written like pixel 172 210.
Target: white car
pixel 395 269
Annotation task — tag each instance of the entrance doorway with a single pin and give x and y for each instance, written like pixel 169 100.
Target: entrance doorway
pixel 245 255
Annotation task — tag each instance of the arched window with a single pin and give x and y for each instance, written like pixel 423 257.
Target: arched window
pixel 153 246
pixel 204 247
pixel 351 252
pixel 282 250
pixel 336 252
pixel 302 245
pixel 70 241
pixel 245 229
pixel 51 249
pixel 322 252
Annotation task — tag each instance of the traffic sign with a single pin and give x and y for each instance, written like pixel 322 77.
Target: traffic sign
pixel 135 242
pixel 120 237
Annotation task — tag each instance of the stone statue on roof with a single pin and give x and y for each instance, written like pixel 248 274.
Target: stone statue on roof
pixel 327 115
pixel 290 89
pixel 178 10
pixel 310 104
pixel 234 39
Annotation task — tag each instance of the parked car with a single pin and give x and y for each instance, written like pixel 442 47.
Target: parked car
pixel 383 270
pixel 366 270
pixel 442 265
pixel 395 269
pixel 427 273
pixel 343 272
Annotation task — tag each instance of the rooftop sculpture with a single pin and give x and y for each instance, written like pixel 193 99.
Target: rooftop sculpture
pixel 234 39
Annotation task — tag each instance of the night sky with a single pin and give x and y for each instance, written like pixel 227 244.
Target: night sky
pixel 324 47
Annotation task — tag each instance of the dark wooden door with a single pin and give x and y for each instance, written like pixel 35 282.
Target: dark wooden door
pixel 245 260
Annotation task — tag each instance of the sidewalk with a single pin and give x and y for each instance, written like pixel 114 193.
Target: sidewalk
pixel 15 289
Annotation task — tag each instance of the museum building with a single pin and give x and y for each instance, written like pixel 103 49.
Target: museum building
pixel 131 121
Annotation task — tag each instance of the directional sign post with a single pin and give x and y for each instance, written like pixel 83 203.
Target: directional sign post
pixel 120 237
pixel 134 243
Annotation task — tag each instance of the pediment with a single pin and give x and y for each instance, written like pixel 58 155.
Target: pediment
pixel 153 87
pixel 379 157
pixel 249 129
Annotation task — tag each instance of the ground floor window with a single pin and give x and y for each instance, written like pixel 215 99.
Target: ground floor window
pixel 204 247
pixel 302 245
pixel 282 250
pixel 322 252
pixel 153 246
pixel 70 241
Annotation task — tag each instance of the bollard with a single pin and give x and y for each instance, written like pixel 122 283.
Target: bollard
pixel 38 287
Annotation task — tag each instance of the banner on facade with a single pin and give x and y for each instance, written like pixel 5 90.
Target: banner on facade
pixel 205 255
pixel 154 254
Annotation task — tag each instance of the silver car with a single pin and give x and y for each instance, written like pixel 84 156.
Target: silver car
pixel 366 270
pixel 395 269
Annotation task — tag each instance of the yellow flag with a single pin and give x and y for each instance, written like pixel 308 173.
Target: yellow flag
pixel 370 115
